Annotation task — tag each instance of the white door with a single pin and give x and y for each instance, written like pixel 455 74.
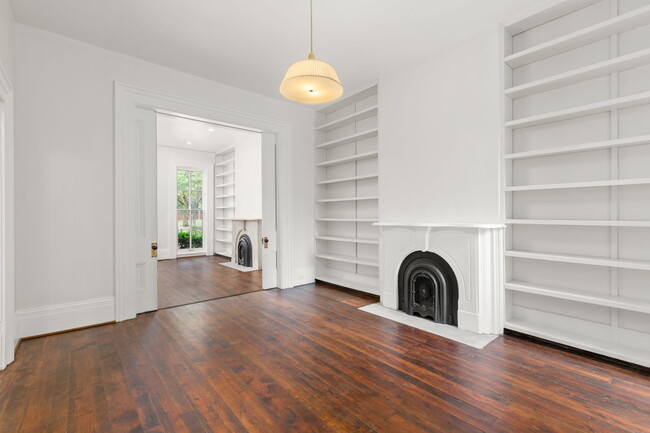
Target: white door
pixel 269 249
pixel 142 156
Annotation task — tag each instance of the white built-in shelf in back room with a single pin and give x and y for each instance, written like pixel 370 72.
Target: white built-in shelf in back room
pixel 584 223
pixel 353 284
pixel 224 174
pixel 636 355
pixel 224 196
pixel 348 179
pixel 226 162
pixel 224 241
pixel 225 185
pixel 220 229
pixel 348 240
pixel 623 303
pixel 347 220
pixel 349 259
pixel 334 200
pixel 583 110
pixel 545 14
pixel 580 38
pixel 618 64
pixel 349 119
pixel 642 265
pixel 585 147
pixel 224 207
pixel 223 218
pixel 571 185
pixel 347 159
pixel 349 139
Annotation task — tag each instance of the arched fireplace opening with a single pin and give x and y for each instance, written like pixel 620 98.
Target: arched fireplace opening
pixel 245 251
pixel 428 288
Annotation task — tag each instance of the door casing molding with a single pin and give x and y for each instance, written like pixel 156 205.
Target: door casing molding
pixel 128 97
pixel 7 286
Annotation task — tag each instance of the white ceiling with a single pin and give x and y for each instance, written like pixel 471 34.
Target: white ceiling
pixel 250 43
pixel 206 137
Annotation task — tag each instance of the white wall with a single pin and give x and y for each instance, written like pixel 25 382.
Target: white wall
pixel 7 39
pixel 248 177
pixel 439 141
pixel 64 163
pixel 169 160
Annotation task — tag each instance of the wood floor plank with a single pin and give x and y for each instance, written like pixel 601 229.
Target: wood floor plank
pixel 306 360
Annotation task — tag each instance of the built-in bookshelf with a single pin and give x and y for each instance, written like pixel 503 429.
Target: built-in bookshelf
pixel 224 201
pixel 577 176
pixel 346 153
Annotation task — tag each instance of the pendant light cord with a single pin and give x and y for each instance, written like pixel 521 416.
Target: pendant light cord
pixel 311 29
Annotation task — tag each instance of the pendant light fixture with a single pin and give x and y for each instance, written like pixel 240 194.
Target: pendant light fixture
pixel 311 81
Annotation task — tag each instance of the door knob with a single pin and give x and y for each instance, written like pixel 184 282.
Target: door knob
pixel 265 240
pixel 154 249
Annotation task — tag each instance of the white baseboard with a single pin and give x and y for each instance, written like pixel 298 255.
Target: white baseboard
pixel 62 317
pixel 302 276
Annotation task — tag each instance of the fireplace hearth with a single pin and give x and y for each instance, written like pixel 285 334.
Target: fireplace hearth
pixel 428 288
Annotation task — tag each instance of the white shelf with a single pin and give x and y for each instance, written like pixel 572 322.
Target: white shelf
pixel 349 259
pixel 347 282
pixel 224 174
pixel 357 96
pixel 636 355
pixel 436 225
pixel 544 14
pixel 224 196
pixel 224 241
pixel 361 156
pixel 608 144
pixel 581 260
pixel 349 139
pixel 600 69
pixel 348 179
pixel 580 38
pixel 219 229
pixel 225 185
pixel 592 184
pixel 347 120
pixel 226 162
pixel 584 110
pixel 334 200
pixel 345 220
pixel 223 218
pixel 630 304
pixel 348 240
pixel 224 207
pixel 585 223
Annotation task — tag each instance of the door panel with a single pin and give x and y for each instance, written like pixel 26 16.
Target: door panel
pixel 144 154
pixel 269 255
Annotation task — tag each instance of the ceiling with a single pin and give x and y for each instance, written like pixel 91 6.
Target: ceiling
pixel 250 43
pixel 177 132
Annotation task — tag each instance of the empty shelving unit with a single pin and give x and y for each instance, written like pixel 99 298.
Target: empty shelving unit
pixel 577 176
pixel 224 201
pixel 347 244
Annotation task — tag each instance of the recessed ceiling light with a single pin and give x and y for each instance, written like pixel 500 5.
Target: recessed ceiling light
pixel 211 129
pixel 189 142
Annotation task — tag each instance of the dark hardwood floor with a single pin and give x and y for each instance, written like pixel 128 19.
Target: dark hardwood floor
pixel 306 360
pixel 195 279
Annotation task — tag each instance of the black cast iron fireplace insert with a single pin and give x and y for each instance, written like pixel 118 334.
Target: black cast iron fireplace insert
pixel 428 288
pixel 245 251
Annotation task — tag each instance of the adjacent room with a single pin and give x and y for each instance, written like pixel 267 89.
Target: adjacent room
pixel 325 216
pixel 209 198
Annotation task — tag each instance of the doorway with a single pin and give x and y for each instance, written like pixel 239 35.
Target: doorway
pixel 209 178
pixel 135 191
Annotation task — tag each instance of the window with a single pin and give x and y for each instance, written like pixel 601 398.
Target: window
pixel 189 205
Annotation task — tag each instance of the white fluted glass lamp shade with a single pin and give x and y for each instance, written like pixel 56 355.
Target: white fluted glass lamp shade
pixel 311 82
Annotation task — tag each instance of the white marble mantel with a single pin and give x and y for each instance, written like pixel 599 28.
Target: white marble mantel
pixel 473 250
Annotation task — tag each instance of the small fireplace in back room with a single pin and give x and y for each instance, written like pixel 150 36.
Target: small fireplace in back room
pixel 428 288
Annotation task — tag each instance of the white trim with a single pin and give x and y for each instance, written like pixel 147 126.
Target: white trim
pixel 7 306
pixel 127 96
pixel 62 317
